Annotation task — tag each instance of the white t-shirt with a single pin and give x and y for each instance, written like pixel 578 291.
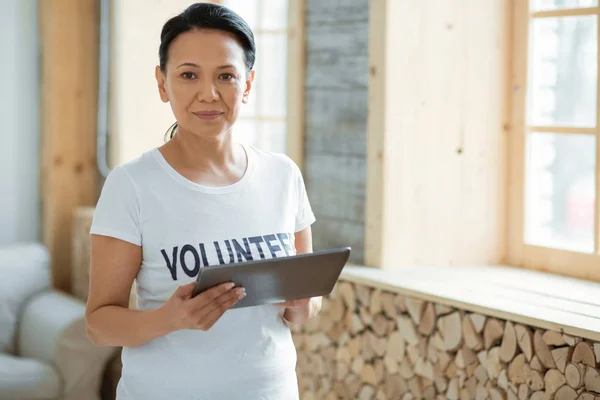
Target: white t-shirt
pixel 181 227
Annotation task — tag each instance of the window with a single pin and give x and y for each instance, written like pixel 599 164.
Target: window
pixel 263 122
pixel 139 120
pixel 554 151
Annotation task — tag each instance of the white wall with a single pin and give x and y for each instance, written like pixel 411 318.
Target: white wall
pixel 19 122
pixel 138 118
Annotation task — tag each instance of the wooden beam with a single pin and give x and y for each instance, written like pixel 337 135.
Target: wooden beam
pixel 69 39
pixel 563 130
pixel 375 224
pixel 562 262
pixel 437 140
pixel 597 170
pixel 516 134
pixel 295 82
pixel 568 12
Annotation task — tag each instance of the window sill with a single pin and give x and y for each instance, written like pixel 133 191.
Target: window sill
pixel 533 298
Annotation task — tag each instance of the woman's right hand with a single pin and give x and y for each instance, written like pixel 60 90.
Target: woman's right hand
pixel 200 312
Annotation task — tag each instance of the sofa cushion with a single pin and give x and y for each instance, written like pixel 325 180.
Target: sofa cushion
pixel 24 271
pixel 27 379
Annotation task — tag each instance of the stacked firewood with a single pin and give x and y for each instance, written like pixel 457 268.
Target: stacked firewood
pixel 373 344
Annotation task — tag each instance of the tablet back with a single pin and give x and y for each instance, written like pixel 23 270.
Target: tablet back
pixel 279 279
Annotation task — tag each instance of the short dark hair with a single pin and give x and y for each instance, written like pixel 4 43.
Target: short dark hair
pixel 206 16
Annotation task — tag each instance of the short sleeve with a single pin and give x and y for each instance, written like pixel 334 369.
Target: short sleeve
pixel 304 215
pixel 117 212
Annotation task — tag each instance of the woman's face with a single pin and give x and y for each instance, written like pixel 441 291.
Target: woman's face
pixel 205 81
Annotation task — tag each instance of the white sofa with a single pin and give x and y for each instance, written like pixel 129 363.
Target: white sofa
pixel 44 350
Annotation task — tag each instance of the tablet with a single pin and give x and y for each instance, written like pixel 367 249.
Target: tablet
pixel 278 279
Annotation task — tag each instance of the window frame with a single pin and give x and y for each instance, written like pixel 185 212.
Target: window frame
pixel 519 253
pixel 294 118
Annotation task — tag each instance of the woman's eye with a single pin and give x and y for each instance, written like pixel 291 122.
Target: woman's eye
pixel 188 75
pixel 227 77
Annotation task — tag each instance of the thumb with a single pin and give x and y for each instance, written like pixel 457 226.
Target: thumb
pixel 186 290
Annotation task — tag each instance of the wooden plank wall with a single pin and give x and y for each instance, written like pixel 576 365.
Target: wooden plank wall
pixel 69 37
pixel 438 132
pixel 336 85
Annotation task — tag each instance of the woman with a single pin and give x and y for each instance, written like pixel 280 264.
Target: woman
pixel 198 200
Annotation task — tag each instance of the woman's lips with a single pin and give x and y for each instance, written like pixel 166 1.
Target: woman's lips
pixel 208 115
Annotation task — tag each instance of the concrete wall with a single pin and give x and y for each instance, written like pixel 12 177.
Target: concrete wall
pixel 19 111
pixel 336 121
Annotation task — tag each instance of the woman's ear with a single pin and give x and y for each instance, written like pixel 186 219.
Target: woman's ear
pixel 249 83
pixel 161 81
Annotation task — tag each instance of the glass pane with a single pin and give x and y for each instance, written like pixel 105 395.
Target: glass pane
pixel 560 191
pixel 540 5
pixel 246 131
pixel 247 9
pixel 271 75
pixel 272 136
pixel 564 71
pixel 274 14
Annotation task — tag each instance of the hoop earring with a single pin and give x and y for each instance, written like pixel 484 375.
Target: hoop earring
pixel 171 132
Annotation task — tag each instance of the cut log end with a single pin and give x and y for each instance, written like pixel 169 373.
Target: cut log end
pixel 591 380
pixel 566 393
pixel 415 309
pixel 574 374
pixel 553 338
pixel 472 338
pixel 583 353
pixel 450 327
pixel 553 380
pixel 542 351
pixel 508 349
pixel 492 333
pixel 428 318
pixel 562 356
pixel 525 340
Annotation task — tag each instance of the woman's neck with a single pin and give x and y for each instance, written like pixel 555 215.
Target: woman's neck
pixel 216 160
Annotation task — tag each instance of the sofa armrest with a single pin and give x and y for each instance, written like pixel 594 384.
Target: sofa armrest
pixel 52 329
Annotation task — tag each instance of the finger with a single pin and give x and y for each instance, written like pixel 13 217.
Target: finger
pixel 198 311
pixel 225 301
pixel 211 294
pixel 218 307
pixel 213 316
pixel 296 303
pixel 186 290
pixel 290 303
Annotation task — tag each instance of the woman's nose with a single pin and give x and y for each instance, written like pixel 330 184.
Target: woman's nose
pixel 207 92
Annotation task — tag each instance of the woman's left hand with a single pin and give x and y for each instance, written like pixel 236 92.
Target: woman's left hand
pixel 301 303
pixel 300 311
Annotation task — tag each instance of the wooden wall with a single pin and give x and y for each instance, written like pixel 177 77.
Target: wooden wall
pixel 438 89
pixel 336 83
pixel 69 37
